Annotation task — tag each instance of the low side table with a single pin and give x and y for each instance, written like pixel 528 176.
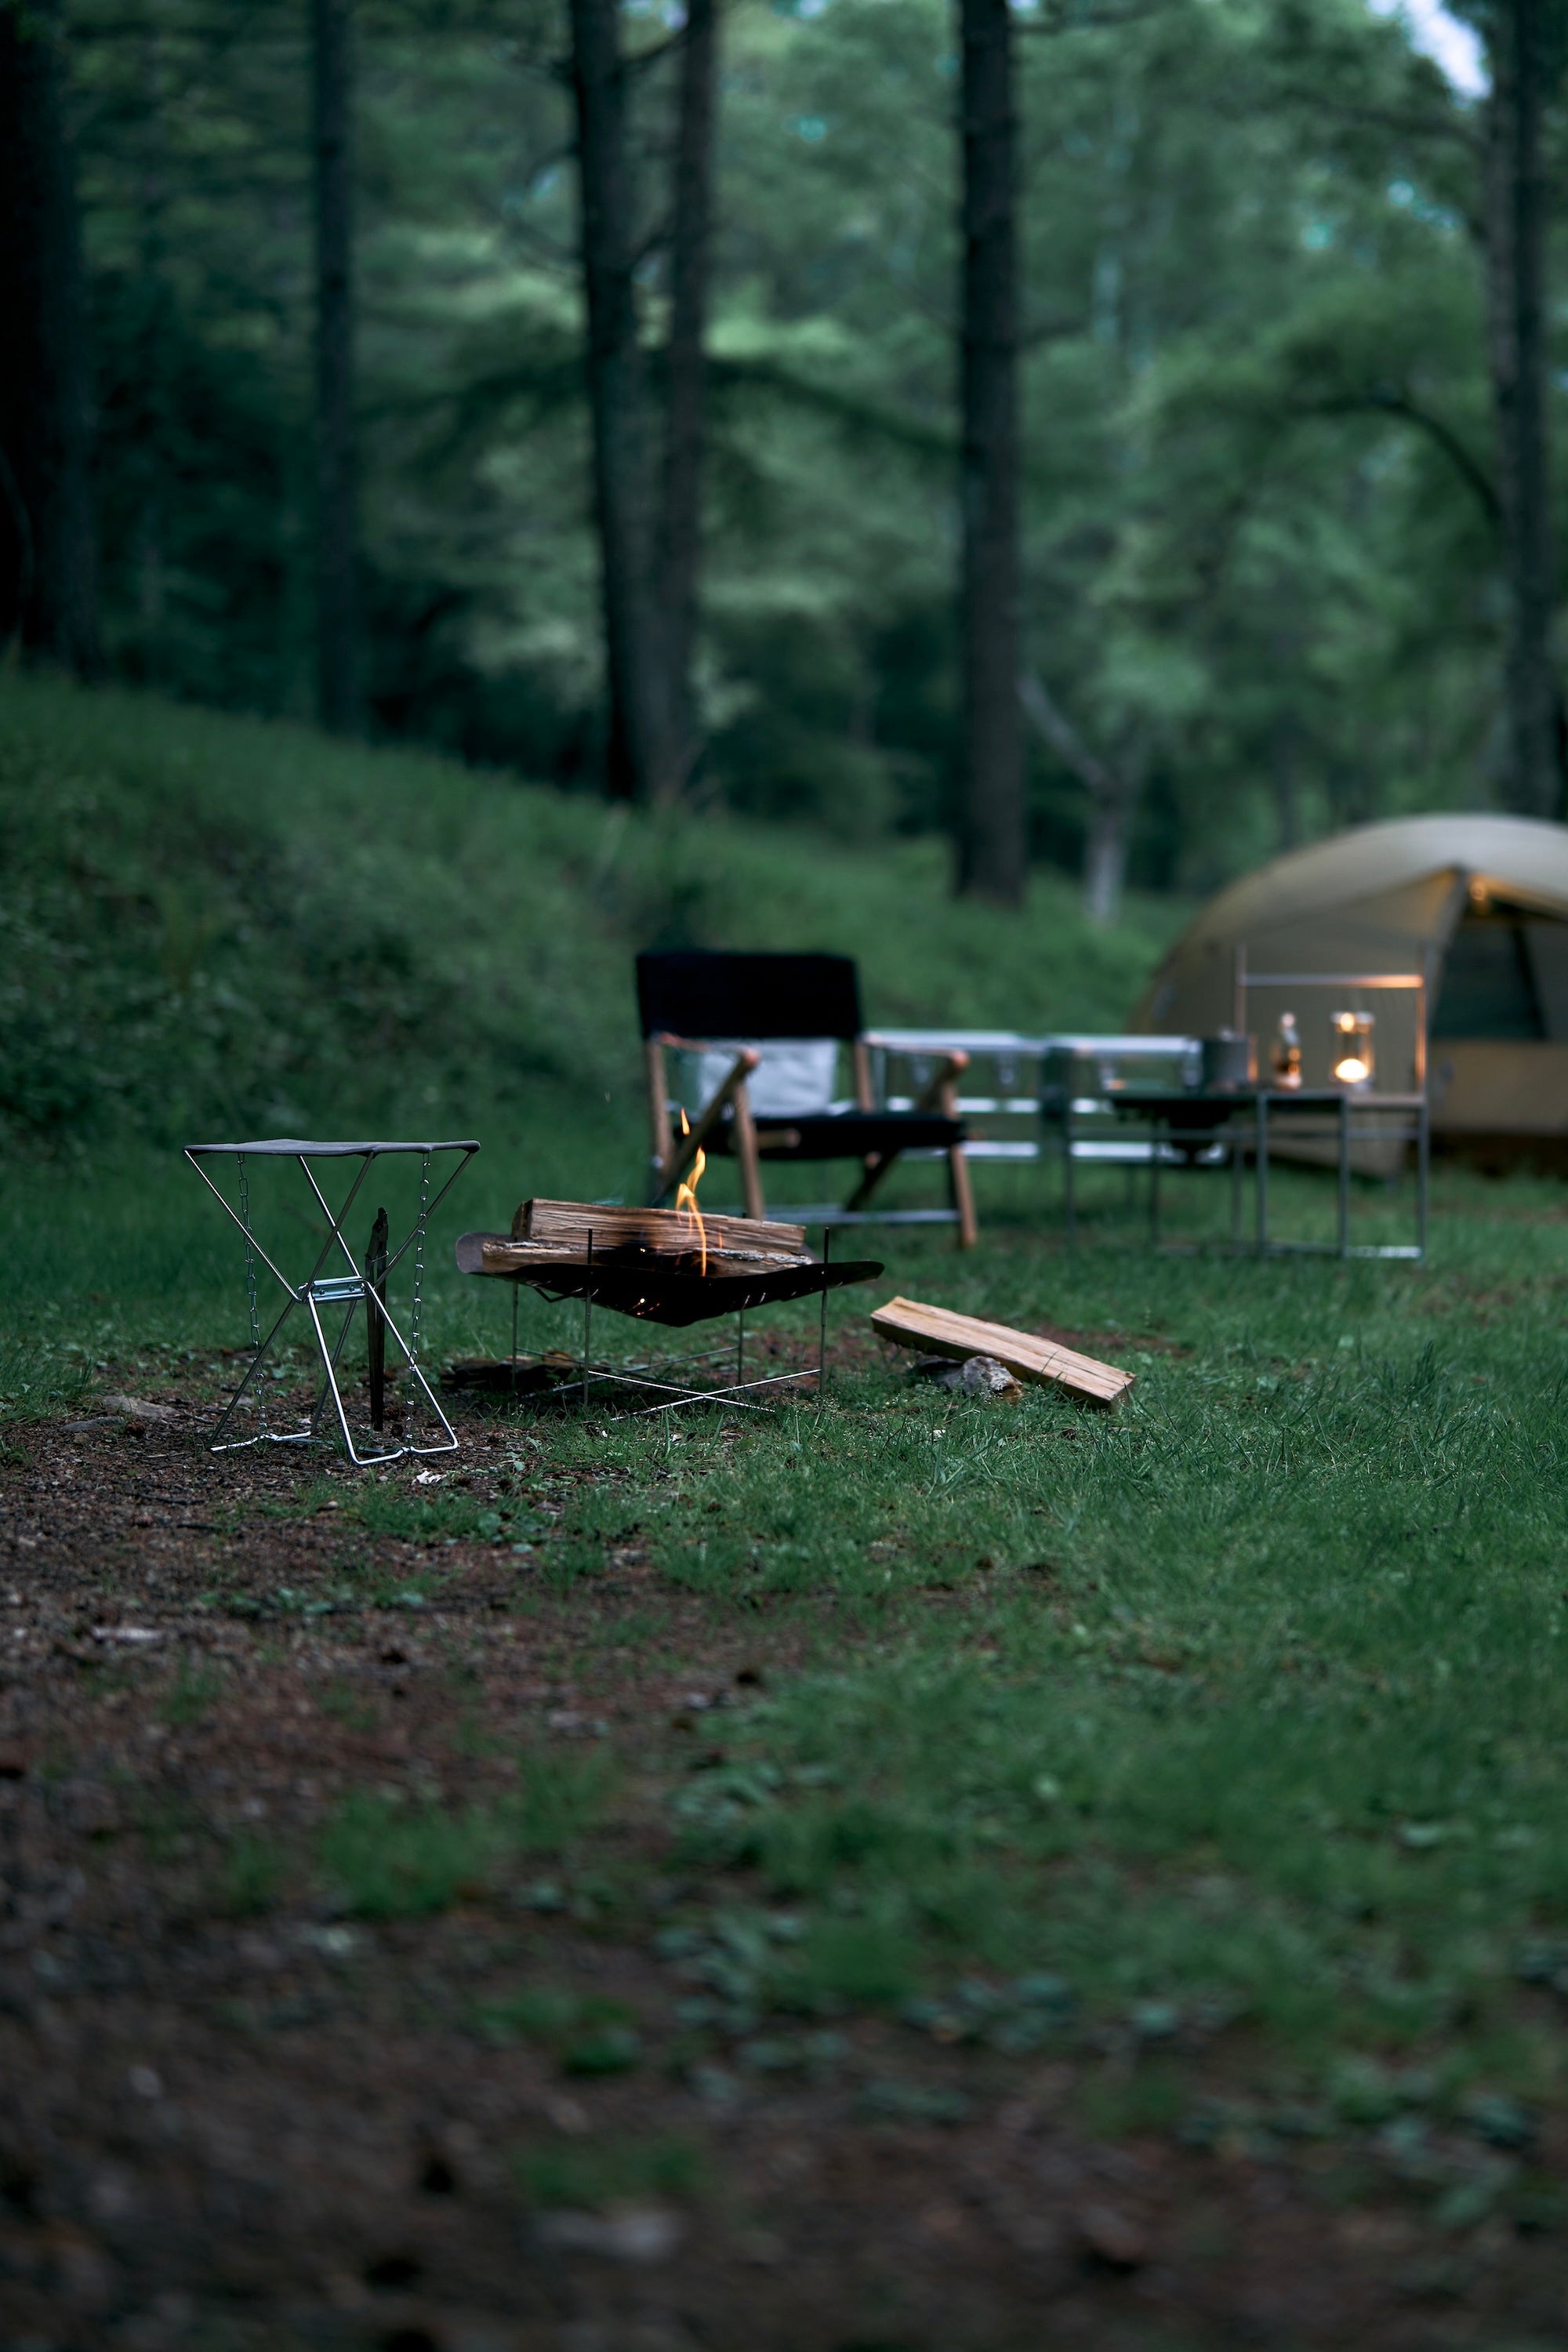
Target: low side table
pixel 351 1286
pixel 1191 1119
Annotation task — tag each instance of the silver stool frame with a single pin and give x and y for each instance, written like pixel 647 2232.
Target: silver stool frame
pixel 318 1290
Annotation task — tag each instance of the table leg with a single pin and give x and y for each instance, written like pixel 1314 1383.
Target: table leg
pixel 1423 1169
pixel 1262 1149
pixel 1234 1141
pixel 1344 1175
pixel 1070 1204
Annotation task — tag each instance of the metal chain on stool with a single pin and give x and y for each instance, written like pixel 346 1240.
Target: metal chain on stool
pixel 250 1293
pixel 418 1275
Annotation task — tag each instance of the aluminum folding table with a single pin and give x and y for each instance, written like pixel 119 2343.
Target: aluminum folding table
pixel 1250 1117
pixel 360 1285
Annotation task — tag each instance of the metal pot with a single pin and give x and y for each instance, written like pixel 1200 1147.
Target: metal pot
pixel 1229 1061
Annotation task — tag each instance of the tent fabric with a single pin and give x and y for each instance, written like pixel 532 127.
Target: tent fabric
pixel 1391 898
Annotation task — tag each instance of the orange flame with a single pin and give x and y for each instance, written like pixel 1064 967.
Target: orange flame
pixel 686 1193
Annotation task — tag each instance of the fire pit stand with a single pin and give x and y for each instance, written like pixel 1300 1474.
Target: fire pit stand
pixel 676 1291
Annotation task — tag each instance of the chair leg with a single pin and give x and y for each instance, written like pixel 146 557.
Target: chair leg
pixel 743 1132
pixel 877 1164
pixel 963 1192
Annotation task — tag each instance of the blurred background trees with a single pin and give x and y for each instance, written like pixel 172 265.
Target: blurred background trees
pixel 1275 351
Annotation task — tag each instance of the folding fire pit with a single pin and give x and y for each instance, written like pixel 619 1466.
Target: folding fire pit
pixel 667 1267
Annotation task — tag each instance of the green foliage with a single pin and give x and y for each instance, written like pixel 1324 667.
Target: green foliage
pixel 250 1878
pixel 192 1695
pixel 1255 410
pixel 598 2173
pixel 588 2035
pixel 387 1860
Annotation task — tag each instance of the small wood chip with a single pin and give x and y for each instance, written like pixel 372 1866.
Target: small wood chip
pixel 1111 2237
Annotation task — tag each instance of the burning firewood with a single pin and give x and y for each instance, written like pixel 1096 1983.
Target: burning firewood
pixel 562 1228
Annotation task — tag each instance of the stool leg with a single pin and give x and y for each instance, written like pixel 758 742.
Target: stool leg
pixel 329 1385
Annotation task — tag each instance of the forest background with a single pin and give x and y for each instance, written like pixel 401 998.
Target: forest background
pixel 1263 458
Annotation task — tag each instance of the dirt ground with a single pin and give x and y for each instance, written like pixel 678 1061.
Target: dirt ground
pixel 236 2121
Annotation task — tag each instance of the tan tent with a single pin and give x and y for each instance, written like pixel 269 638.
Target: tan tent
pixel 1476 906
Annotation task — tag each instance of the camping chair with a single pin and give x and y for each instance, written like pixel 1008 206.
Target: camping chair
pixel 760 1038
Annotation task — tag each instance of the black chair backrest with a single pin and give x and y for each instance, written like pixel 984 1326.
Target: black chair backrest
pixel 691 993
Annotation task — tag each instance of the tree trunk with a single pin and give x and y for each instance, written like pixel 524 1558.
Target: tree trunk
pixel 1516 230
pixel 638 758
pixel 992 840
pixel 1104 865
pixel 1115 788
pixel 48 587
pixel 690 242
pixel 338 686
pixel 1111 815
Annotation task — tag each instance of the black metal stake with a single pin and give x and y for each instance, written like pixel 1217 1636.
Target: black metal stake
pixel 374 1317
pixel 587 1316
pixel 822 1322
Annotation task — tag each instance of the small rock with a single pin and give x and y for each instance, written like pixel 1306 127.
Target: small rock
pixel 131 1633
pixel 333 1943
pixel 141 1409
pixel 628 2233
pixel 976 1376
pixel 1111 2237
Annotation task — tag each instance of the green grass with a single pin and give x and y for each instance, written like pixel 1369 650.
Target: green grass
pixel 588 2035
pixel 387 1860
pixel 1247 1703
pixel 606 2172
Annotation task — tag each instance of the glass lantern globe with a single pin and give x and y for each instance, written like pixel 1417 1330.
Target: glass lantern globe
pixel 1351 1054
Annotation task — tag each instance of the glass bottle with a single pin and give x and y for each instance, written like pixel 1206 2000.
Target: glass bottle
pixel 1286 1057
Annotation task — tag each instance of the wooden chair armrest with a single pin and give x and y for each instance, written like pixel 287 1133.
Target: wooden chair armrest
pixel 938 1094
pixel 680 1151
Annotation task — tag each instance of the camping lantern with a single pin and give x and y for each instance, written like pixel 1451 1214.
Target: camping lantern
pixel 1352 1057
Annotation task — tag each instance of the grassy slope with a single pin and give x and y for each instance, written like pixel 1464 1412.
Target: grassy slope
pixel 215 926
pixel 221 916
